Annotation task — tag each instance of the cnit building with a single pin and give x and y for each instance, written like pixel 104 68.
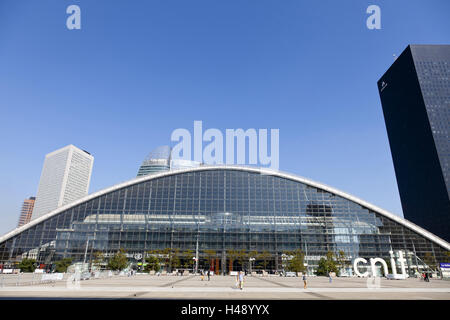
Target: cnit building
pixel 216 209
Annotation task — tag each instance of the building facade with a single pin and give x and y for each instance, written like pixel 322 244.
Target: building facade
pixel 65 177
pixel 160 160
pixel 214 211
pixel 157 161
pixel 26 211
pixel 415 95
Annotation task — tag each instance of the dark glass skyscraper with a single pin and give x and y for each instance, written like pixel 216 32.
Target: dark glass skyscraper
pixel 415 94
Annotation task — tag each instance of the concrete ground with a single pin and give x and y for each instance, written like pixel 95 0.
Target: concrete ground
pixel 224 287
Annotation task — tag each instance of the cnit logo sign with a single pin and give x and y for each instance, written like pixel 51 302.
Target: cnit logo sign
pixel 374 261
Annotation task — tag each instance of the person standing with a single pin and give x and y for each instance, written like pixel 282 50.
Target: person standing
pixel 329 277
pixel 305 283
pixel 202 275
pixel 209 274
pixel 241 280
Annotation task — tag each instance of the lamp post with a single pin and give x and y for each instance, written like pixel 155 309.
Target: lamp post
pixel 196 256
pixel 194 265
pixel 85 251
pixel 250 260
pixel 306 258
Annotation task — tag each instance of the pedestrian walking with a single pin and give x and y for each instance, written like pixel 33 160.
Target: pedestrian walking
pixel 209 274
pixel 202 275
pixel 241 280
pixel 329 278
pixel 304 281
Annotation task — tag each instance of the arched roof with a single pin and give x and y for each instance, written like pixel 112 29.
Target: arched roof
pixel 263 171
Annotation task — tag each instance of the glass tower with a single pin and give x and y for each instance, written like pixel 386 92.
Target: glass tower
pixel 415 95
pixel 157 161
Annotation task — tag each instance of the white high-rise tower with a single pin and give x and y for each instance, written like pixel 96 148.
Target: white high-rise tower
pixel 65 178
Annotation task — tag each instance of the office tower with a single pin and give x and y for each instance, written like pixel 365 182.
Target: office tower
pixel 160 160
pixel 181 164
pixel 157 161
pixel 415 94
pixel 65 178
pixel 27 210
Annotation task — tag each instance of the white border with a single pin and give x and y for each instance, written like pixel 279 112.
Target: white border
pixel 263 171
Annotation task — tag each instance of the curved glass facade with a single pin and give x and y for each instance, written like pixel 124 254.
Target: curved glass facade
pixel 218 210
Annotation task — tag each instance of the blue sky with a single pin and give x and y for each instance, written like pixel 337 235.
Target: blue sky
pixel 139 69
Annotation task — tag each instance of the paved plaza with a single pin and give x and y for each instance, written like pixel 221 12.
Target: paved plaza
pixel 144 286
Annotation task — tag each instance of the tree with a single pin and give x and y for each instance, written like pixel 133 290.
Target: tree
pixel 188 256
pixel 63 264
pixel 429 260
pixel 119 261
pixel 341 260
pixel 167 256
pixel 152 264
pixel 171 257
pixel 447 256
pixel 27 265
pixel 297 263
pixel 253 254
pixel 232 255
pixel 327 265
pixel 210 254
pixel 99 258
pixel 265 257
pixel 242 256
pixel 174 258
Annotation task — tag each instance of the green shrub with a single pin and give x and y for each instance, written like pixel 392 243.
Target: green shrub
pixel 327 265
pixel 118 262
pixel 63 264
pixel 27 265
pixel 152 264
